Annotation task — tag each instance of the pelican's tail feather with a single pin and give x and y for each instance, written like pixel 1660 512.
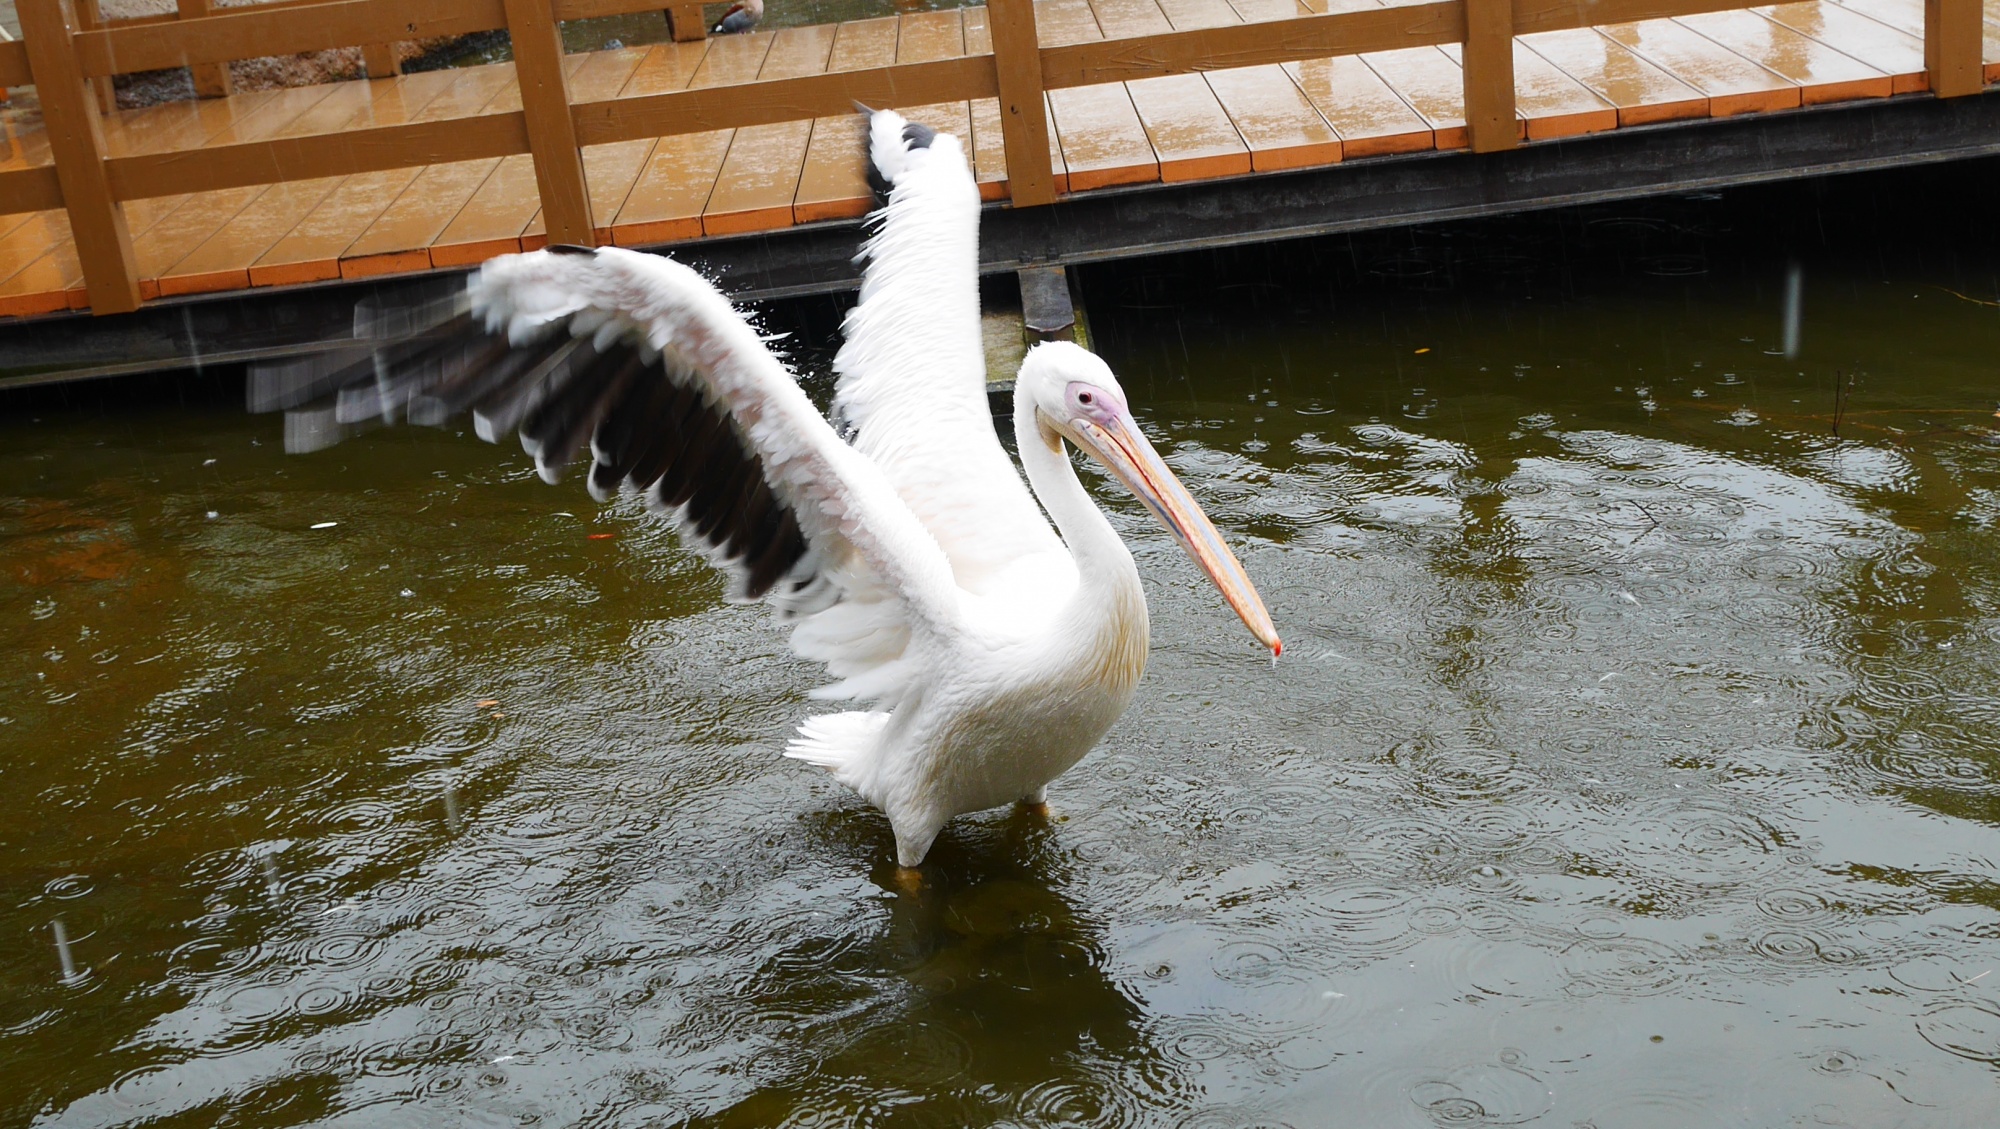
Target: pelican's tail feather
pixel 891 140
pixel 841 743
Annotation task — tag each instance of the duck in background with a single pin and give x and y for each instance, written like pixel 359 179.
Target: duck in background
pixel 741 17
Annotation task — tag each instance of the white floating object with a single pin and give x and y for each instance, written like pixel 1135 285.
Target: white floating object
pixel 324 524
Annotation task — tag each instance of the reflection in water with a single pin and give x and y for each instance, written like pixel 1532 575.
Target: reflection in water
pixel 1632 762
pixel 983 995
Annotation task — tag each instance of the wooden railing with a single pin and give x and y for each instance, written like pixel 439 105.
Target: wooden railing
pixel 61 56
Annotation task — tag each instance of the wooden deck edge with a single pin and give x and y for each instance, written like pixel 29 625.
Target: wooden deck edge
pixel 472 254
pixel 1297 157
pixel 1754 102
pixel 1683 110
pixel 1550 127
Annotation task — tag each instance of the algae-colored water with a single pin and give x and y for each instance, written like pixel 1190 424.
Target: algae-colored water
pixel 1632 761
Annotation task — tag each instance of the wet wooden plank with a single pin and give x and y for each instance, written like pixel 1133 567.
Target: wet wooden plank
pixel 1103 141
pixel 1367 115
pixel 1095 128
pixel 54 281
pixel 493 219
pixel 222 262
pixel 833 183
pixel 1275 119
pixel 987 145
pixel 759 177
pixel 1259 11
pixel 33 273
pixel 402 237
pixel 1550 103
pixel 1821 73
pixel 1187 15
pixel 925 37
pixel 1731 83
pixel 1124 19
pixel 1896 54
pixel 667 199
pixel 197 219
pixel 249 233
pixel 1062 22
pixel 1193 137
pixel 1642 92
pixel 683 165
pixel 178 125
pixel 311 251
pixel 1429 81
pixel 610 170
pixel 271 115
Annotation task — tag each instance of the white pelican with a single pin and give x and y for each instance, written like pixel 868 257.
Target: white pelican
pixel 992 649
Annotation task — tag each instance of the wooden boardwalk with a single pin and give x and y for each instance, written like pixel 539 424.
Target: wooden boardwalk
pixel 653 191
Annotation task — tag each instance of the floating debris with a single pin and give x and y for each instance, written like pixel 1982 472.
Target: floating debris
pixel 324 524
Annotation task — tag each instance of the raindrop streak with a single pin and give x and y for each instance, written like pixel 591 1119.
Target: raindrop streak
pixel 1795 289
pixel 452 819
pixel 70 973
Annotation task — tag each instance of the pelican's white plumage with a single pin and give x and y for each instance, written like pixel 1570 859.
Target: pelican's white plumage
pixel 990 650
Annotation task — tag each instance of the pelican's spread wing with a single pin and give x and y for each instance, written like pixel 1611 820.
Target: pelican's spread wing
pixel 912 371
pixel 676 397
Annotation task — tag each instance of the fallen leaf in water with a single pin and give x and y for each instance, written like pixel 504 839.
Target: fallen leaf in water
pixel 602 536
pixel 488 703
pixel 1425 349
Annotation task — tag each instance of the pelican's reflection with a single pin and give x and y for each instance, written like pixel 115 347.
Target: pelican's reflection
pixel 991 1002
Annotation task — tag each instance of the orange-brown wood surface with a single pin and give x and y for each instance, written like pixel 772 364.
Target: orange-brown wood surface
pixel 1641 91
pixel 831 182
pixel 1898 55
pixel 1176 117
pixel 1731 83
pixel 1822 73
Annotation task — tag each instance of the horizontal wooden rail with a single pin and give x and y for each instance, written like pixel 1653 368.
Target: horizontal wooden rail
pixel 1560 15
pixel 598 9
pixel 785 100
pixel 1253 44
pixel 310 156
pixel 250 33
pixel 30 190
pixel 553 130
pixel 14 64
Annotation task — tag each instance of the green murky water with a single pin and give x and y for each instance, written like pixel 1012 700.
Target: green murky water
pixel 1632 763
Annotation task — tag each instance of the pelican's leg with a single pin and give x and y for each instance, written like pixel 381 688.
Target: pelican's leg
pixel 1036 803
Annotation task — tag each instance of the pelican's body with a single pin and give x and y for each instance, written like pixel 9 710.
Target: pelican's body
pixel 993 648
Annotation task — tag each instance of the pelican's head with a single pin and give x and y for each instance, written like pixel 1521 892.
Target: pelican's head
pixel 1076 398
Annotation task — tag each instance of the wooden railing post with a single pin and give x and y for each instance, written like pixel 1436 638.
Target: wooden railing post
pixel 88 17
pixel 1490 121
pixel 76 141
pixel 211 80
pixel 685 22
pixel 538 69
pixel 1024 119
pixel 1952 35
pixel 380 60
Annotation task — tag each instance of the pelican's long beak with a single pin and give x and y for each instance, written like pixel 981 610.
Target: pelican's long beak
pixel 1120 446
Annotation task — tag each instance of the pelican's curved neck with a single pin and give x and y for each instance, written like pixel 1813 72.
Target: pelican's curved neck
pixel 1101 556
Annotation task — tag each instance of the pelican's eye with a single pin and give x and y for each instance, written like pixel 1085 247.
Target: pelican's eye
pixel 1084 397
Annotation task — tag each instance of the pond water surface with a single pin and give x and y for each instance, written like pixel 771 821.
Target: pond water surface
pixel 1632 761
